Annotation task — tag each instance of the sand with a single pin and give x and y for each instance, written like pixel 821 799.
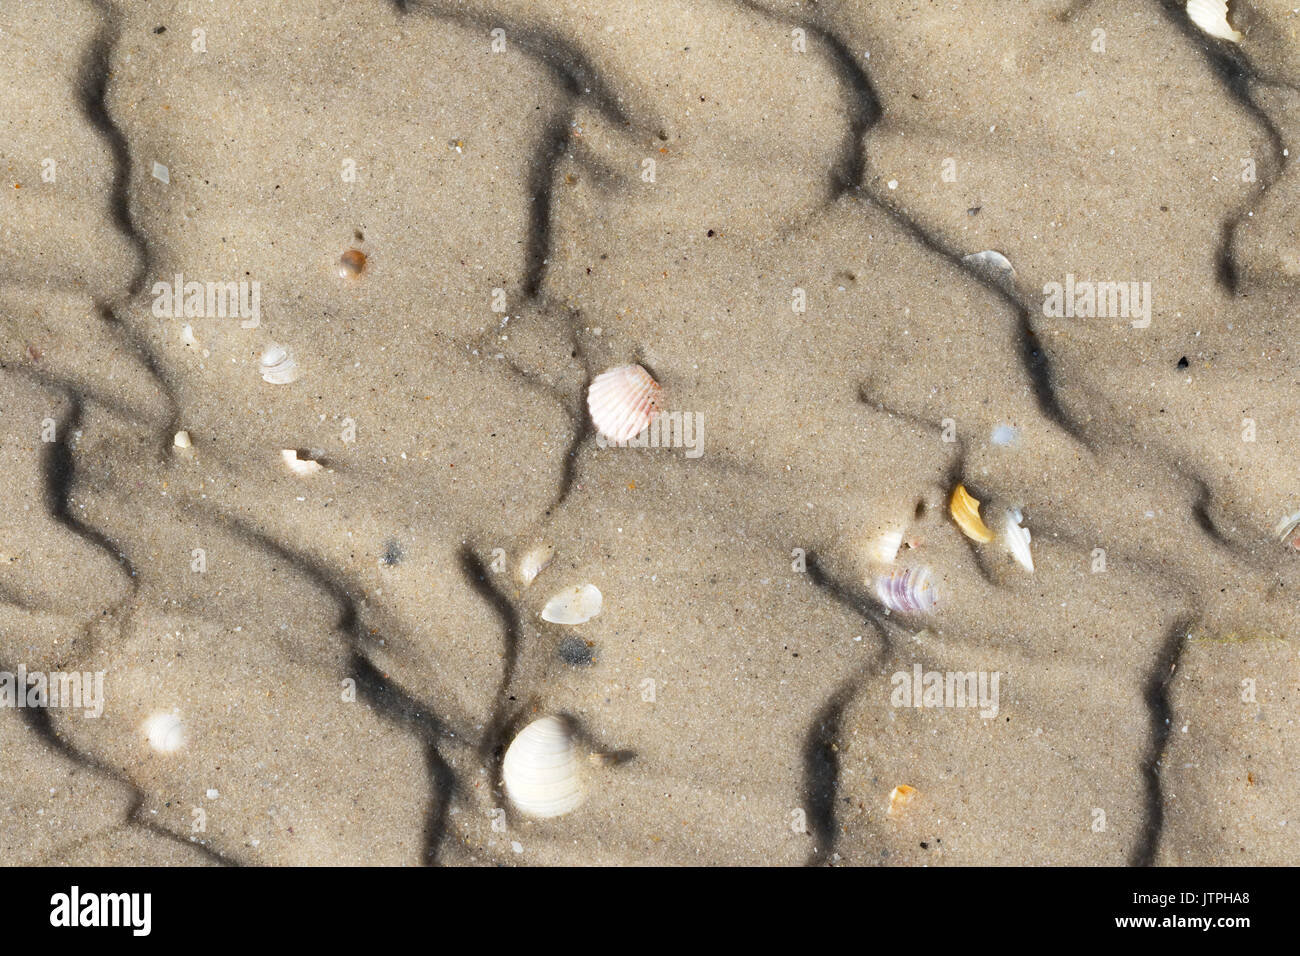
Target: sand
pixel 765 204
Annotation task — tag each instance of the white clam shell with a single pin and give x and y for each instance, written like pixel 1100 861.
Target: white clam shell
pixel 534 561
pixel 1212 17
pixel 1288 524
pixel 574 605
pixel 1017 539
pixel 542 769
pixel 278 366
pixel 623 401
pixel 182 439
pixel 165 731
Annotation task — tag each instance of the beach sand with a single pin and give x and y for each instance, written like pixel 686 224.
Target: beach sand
pixel 767 205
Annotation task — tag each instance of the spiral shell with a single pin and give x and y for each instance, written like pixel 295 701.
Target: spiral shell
pixel 623 401
pixel 165 732
pixel 574 605
pixel 1017 539
pixel 278 366
pixel 1212 17
pixel 542 769
pixel 965 510
pixel 907 591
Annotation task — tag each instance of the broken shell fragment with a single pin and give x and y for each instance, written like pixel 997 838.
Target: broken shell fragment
pixel 899 798
pixel 534 562
pixel 278 366
pixel 1212 17
pixel 885 548
pixel 574 605
pixel 623 401
pixel 300 462
pixel 165 732
pixel 1286 526
pixel 907 591
pixel 542 769
pixel 1017 539
pixel 182 439
pixel 965 510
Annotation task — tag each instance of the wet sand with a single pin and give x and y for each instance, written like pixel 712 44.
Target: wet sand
pixel 768 206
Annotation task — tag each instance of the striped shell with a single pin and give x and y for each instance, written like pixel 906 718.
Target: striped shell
pixel 1212 17
pixel 623 401
pixel 908 591
pixel 278 366
pixel 542 769
pixel 965 510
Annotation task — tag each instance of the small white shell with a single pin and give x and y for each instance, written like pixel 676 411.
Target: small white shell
pixel 542 769
pixel 278 366
pixel 623 401
pixel 885 548
pixel 534 561
pixel 992 265
pixel 299 465
pixel 1017 539
pixel 182 439
pixel 165 731
pixel 574 605
pixel 1212 17
pixel 187 337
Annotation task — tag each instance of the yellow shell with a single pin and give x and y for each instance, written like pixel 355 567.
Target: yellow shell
pixel 965 510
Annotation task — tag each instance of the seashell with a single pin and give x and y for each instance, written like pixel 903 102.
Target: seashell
pixel 899 798
pixel 1018 540
pixel 623 401
pixel 165 732
pixel 1212 17
pixel 534 562
pixel 574 605
pixel 187 337
pixel 965 510
pixel 909 591
pixel 542 769
pixel 1287 525
pixel 992 265
pixel 352 264
pixel 278 366
pixel 885 548
pixel 182 439
pixel 299 462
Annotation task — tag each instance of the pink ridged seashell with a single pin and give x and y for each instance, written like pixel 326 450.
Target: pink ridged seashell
pixel 623 401
pixel 909 591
